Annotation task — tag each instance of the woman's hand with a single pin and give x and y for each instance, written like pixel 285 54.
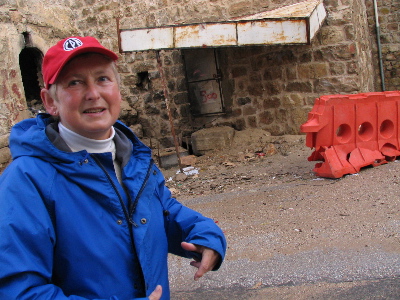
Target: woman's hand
pixel 209 258
pixel 156 294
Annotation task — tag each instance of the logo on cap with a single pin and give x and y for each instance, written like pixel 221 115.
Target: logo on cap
pixel 72 43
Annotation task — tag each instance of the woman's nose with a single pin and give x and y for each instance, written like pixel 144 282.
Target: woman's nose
pixel 92 92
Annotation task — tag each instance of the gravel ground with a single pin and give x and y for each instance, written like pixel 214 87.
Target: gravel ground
pixel 287 227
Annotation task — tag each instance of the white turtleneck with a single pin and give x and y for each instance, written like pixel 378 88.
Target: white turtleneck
pixel 78 142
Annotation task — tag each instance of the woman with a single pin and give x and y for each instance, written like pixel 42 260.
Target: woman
pixel 85 213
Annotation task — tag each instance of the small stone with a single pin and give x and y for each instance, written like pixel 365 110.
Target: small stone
pixel 180 177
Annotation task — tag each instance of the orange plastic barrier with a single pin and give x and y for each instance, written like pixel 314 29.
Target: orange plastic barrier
pixel 349 132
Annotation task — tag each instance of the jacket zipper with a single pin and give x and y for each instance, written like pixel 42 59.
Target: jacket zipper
pixel 125 210
pixel 133 204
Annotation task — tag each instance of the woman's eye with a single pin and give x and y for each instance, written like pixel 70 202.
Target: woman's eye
pixel 73 82
pixel 103 78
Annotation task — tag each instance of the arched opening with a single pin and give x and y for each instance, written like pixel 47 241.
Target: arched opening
pixel 30 61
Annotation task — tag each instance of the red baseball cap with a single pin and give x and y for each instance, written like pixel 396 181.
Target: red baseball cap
pixel 57 56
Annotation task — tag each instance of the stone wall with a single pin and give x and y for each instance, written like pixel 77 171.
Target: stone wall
pixel 143 88
pixel 389 16
pixel 275 86
pixel 44 22
pixel 269 87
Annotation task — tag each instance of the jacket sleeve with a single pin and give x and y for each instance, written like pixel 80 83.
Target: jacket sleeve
pixel 186 225
pixel 27 236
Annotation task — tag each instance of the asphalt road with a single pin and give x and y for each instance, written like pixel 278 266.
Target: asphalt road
pixel 303 239
pixel 386 288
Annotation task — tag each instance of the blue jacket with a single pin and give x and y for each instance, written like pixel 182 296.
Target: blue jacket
pixel 70 231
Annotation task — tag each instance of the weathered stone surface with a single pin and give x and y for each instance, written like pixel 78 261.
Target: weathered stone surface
pixel 5 155
pixel 4 140
pixel 212 138
pixel 137 130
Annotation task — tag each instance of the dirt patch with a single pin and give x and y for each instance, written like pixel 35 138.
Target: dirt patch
pixel 253 158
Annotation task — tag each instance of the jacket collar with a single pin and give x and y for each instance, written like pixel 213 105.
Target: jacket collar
pixel 123 139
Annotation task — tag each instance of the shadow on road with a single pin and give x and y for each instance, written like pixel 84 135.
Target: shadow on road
pixel 387 288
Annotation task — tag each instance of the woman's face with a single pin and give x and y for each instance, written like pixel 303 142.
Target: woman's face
pixel 87 96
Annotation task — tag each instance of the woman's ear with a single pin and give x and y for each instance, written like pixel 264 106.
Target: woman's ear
pixel 49 102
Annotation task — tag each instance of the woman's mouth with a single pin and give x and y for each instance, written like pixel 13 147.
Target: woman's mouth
pixel 94 110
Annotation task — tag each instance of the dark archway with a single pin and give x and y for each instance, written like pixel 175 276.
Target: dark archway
pixel 30 61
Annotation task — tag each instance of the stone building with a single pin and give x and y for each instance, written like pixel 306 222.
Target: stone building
pixel 272 87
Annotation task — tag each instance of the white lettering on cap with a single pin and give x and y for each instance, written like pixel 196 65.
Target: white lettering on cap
pixel 72 43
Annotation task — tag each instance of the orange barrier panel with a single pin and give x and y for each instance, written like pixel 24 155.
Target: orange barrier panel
pixel 348 132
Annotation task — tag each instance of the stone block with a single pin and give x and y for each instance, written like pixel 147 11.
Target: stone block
pixel 209 139
pixel 249 110
pixel 168 158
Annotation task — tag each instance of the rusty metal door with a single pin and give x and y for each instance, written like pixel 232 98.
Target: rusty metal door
pixel 203 78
